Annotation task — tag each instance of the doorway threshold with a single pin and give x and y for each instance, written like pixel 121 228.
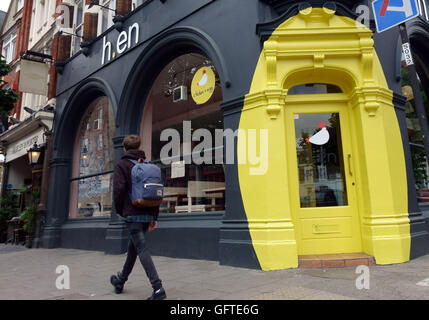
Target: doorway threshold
pixel 342 260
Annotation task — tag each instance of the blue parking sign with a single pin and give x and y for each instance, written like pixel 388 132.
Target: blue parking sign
pixel 390 13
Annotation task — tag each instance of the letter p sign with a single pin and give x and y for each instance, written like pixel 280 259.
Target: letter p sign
pixel 390 13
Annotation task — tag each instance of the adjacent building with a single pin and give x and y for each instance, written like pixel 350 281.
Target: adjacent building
pixel 27 48
pixel 2 16
pixel 13 39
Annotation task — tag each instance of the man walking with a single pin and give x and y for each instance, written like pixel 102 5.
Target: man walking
pixel 138 220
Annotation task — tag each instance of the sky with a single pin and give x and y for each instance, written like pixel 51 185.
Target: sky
pixel 4 5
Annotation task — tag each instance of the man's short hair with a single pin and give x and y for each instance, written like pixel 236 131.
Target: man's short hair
pixel 131 142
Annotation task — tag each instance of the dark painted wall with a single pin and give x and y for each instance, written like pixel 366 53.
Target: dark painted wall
pixel 166 31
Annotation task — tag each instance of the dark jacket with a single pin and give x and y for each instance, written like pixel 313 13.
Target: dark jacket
pixel 122 187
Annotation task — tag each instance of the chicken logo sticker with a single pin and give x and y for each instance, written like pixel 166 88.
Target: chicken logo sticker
pixel 203 85
pixel 320 138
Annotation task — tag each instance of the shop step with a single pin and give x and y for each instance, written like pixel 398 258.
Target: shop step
pixel 335 260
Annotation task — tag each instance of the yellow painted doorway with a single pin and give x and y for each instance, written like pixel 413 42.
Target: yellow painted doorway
pixel 322 183
pixel 319 47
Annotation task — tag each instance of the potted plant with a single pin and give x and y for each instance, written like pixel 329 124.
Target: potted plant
pixel 8 210
pixel 28 215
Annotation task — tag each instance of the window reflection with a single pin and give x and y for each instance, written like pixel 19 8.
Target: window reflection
pixel 320 160
pixel 93 162
pixel 188 187
pixel 415 135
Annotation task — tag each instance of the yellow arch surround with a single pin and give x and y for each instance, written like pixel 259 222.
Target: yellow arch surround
pixel 318 46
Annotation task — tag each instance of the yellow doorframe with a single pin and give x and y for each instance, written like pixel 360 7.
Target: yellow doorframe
pixel 317 46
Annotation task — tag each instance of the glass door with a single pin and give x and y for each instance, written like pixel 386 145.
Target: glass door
pixel 321 175
pixel 322 181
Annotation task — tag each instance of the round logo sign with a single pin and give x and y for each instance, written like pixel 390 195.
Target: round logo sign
pixel 203 85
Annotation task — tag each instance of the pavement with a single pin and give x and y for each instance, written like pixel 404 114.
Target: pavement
pixel 30 274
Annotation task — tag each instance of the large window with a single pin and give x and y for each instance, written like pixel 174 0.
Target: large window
pixel 20 5
pixel 78 25
pixel 137 3
pixel 8 51
pixel 186 97
pixel 93 162
pixel 106 15
pixel 415 136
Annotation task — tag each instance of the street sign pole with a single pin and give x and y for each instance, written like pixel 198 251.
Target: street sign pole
pixel 418 99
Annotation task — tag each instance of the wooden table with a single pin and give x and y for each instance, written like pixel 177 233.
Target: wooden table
pixel 213 191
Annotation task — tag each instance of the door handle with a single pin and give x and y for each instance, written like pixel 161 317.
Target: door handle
pixel 349 157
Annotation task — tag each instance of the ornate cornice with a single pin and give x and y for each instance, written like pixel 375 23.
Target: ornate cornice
pixel 287 9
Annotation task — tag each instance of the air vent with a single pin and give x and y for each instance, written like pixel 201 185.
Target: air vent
pixel 180 94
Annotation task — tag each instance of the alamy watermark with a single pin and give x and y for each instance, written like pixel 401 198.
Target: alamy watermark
pixel 363 281
pixel 253 147
pixel 63 280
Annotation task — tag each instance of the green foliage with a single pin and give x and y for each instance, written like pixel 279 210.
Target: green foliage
pixel 8 209
pixel 7 97
pixel 29 214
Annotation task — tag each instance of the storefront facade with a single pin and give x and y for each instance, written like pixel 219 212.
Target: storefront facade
pixel 321 161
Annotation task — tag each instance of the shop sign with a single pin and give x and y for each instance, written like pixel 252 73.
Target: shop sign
pixel 122 43
pixel 33 77
pixel 20 147
pixel 203 85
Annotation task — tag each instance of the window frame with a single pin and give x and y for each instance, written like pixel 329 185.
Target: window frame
pixel 103 12
pixel 191 169
pixel 77 29
pixel 77 174
pixel 416 146
pixel 136 3
pixel 19 5
pixel 10 46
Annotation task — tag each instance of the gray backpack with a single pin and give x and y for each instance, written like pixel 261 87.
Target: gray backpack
pixel 147 189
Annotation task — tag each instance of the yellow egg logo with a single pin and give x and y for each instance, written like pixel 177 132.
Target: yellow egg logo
pixel 203 85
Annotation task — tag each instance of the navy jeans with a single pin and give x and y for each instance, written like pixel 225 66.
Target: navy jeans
pixel 137 246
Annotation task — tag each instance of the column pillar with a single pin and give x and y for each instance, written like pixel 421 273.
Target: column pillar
pixel 58 202
pixel 384 217
pixel 117 232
